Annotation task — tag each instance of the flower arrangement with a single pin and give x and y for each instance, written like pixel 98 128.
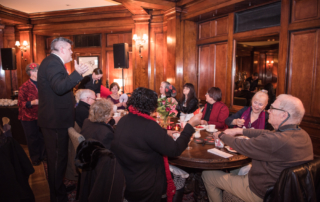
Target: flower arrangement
pixel 167 107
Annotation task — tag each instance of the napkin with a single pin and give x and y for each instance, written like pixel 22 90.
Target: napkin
pixel 219 153
pixel 123 98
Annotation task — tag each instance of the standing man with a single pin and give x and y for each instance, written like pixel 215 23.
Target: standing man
pixel 253 80
pixel 56 111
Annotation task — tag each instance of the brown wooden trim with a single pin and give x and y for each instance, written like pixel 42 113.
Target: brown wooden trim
pixel 212 40
pixel 283 47
pixel 81 11
pixel 12 12
pixel 230 61
pixel 304 25
pixel 258 32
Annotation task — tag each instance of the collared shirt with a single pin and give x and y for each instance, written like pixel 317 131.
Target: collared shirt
pixel 59 57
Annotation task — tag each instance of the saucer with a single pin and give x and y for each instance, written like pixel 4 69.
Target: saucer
pixel 215 130
pixel 203 127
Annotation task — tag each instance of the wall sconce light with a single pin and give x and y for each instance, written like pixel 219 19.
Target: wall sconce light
pixel 140 41
pixel 22 47
pixel 269 62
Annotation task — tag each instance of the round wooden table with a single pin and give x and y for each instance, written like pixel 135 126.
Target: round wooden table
pixel 198 157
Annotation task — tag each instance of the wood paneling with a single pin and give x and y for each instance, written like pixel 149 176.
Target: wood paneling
pixel 305 10
pixel 119 38
pixel 304 68
pixel 190 54
pixel 213 68
pixel 218 27
pixel 40 49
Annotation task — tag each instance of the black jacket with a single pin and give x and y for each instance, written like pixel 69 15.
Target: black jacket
pixel 15 169
pixel 139 145
pixel 82 113
pixel 56 102
pixel 102 178
pixel 101 132
pixel 190 108
pixel 297 184
pixel 87 83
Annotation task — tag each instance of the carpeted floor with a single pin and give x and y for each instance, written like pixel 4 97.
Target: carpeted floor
pixel 72 195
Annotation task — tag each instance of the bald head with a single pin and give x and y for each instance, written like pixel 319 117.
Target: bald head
pixel 293 106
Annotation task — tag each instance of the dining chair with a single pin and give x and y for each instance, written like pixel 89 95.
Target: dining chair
pixel 76 138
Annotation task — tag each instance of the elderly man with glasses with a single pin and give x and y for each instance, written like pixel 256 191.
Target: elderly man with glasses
pixel 87 97
pixel 270 151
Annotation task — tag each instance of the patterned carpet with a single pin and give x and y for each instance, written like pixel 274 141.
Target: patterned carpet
pixel 72 195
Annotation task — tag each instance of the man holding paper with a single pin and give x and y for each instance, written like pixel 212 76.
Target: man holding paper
pixel 271 152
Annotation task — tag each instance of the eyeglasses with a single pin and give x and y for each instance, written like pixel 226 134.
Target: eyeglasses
pixel 264 91
pixel 273 108
pixel 92 98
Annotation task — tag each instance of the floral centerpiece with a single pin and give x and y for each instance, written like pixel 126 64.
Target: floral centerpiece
pixel 166 109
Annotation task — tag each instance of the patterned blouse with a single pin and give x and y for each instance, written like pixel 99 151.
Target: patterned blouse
pixel 27 92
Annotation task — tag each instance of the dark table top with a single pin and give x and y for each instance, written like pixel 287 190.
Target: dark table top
pixel 198 157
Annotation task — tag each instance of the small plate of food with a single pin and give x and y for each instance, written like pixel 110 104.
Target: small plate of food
pixel 230 149
pixel 200 127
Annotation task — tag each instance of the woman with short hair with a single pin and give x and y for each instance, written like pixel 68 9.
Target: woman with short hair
pixel 141 147
pixel 92 81
pixel 97 125
pixel 215 112
pixel 115 96
pixel 253 116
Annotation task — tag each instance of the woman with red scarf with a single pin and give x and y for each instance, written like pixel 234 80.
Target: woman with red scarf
pixel 142 146
pixel 28 114
pixel 252 117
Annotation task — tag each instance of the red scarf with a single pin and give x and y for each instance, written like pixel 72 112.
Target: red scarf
pixel 171 188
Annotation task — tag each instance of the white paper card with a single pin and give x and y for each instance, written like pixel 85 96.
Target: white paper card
pixel 219 153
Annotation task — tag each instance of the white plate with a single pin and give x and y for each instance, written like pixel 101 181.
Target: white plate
pixel 230 150
pixel 215 130
pixel 203 127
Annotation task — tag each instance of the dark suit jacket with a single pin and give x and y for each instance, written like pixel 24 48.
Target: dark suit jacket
pixel 139 145
pixel 101 132
pixel 56 107
pixel 82 113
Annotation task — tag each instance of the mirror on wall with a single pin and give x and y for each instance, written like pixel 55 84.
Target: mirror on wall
pixel 256 68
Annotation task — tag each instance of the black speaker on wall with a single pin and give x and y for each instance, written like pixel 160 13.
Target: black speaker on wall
pixel 121 55
pixel 8 58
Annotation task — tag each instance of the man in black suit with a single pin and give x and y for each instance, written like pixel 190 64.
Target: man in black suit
pixel 56 111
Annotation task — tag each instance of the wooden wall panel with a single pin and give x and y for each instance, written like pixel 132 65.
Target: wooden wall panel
pixel 303 66
pixel 213 28
pixel 119 38
pixel 204 71
pixel 40 49
pixel 204 30
pixel 220 75
pixel 159 61
pixel 305 10
pixel 316 79
pixel 190 54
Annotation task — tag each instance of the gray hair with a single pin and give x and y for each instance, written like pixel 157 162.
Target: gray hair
pixel 55 44
pixel 85 93
pixel 293 106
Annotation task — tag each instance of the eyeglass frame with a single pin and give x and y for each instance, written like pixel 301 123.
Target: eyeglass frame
pixel 92 98
pixel 273 108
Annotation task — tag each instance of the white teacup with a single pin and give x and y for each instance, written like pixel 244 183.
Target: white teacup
pixel 117 114
pixel 211 127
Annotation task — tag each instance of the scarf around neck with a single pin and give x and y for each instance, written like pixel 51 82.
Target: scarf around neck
pixel 257 124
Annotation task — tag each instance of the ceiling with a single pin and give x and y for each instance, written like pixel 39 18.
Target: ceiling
pixel 36 6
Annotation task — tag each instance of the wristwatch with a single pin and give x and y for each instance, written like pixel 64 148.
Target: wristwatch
pixel 219 136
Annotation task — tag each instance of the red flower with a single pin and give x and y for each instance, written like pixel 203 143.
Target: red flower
pixel 173 91
pixel 167 109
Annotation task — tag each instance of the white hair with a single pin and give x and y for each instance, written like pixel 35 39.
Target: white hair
pixel 260 95
pixel 85 93
pixel 293 106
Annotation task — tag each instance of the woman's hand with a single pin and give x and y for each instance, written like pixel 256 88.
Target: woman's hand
pixel 124 104
pixel 170 133
pixel 204 122
pixel 238 122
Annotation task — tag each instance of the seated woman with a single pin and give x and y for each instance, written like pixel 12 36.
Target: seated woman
pixel 115 97
pixel 92 81
pixel 252 117
pixel 215 112
pixel 188 103
pixel 141 147
pixel 97 126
